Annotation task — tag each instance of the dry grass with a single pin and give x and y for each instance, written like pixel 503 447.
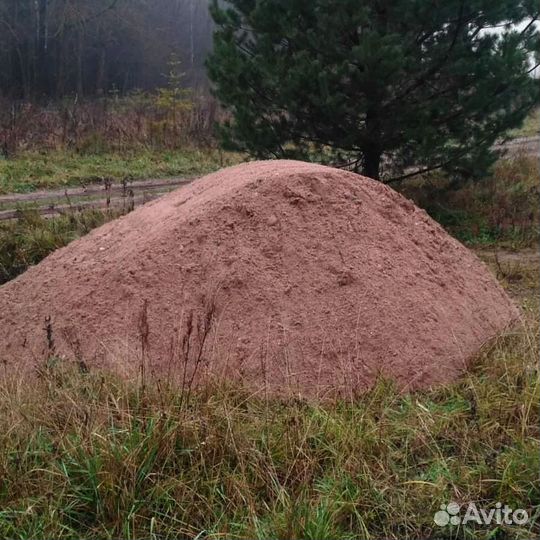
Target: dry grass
pixel 501 209
pixel 86 455
pixel 170 117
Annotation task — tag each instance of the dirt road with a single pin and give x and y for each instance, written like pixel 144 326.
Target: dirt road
pixel 129 194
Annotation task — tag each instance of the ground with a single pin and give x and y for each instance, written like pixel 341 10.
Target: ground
pixel 86 455
pixel 29 171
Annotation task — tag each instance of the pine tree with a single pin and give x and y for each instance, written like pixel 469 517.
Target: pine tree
pixel 391 88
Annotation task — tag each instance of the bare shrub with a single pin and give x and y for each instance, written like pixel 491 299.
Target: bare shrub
pixel 157 120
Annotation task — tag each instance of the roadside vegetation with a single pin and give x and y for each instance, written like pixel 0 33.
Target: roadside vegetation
pixel 57 169
pixel 530 127
pixel 29 239
pixel 143 135
pixel 139 135
pixel 141 156
pixel 501 209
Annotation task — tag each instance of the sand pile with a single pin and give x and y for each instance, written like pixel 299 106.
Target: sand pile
pixel 297 278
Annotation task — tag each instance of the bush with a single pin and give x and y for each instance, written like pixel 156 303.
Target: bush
pixel 502 208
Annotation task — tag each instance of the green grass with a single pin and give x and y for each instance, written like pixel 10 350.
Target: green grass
pixel 499 210
pixel 29 239
pixel 530 127
pixel 57 169
pixel 86 455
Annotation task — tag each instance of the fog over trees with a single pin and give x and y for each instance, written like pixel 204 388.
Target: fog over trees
pixel 53 48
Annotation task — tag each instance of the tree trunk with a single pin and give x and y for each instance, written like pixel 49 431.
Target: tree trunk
pixel 61 66
pixel 42 52
pixel 80 87
pixel 371 149
pixel 372 162
pixel 101 71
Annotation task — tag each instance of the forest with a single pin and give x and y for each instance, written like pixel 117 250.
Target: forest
pixel 53 48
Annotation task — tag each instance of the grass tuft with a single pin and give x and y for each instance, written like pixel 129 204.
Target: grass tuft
pixel 29 239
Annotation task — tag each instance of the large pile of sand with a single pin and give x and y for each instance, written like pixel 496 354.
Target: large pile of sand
pixel 315 280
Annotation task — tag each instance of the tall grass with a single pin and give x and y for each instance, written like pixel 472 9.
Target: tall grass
pixel 501 209
pixel 171 117
pixel 84 454
pixel 31 238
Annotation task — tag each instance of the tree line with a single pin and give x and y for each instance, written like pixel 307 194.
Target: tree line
pixel 53 48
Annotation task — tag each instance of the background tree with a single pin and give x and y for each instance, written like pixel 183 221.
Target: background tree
pixel 389 88
pixel 51 48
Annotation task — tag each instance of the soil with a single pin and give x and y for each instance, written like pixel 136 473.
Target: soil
pixel 290 277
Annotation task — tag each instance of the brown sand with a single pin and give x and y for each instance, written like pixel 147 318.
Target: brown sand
pixel 322 280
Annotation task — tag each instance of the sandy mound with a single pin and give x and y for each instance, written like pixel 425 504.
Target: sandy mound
pixel 315 280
